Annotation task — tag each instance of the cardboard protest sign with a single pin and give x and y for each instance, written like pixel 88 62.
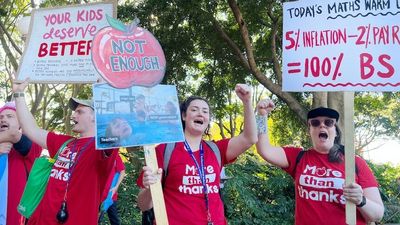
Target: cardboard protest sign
pixel 136 116
pixel 341 46
pixel 59 43
pixel 126 55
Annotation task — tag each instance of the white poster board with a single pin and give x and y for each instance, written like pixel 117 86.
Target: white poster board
pixel 59 43
pixel 341 46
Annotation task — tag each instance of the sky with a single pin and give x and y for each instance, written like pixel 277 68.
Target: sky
pixel 387 152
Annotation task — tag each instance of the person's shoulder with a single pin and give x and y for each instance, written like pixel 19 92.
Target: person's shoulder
pixel 37 149
pixel 360 161
pixel 293 148
pixel 223 143
pixel 161 147
pixel 53 136
pixel 292 152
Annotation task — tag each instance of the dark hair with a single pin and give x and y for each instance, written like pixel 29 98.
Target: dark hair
pixel 336 153
pixel 185 105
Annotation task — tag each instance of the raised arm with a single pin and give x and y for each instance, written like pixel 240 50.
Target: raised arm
pixel 25 117
pixel 238 144
pixel 272 154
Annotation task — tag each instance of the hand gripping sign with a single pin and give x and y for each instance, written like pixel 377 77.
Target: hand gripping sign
pixel 127 55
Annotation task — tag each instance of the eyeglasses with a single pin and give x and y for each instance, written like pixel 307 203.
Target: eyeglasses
pixel 327 122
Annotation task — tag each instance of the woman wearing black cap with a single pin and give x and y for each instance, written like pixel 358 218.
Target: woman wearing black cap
pixel 319 172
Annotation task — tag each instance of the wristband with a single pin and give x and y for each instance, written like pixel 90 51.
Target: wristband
pixel 261 124
pixel 18 94
pixel 363 202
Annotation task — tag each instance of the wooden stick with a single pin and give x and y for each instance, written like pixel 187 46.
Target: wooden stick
pixel 156 189
pixel 349 152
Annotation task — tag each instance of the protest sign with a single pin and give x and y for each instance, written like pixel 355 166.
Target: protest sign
pixel 341 46
pixel 136 116
pixel 58 48
pixel 126 55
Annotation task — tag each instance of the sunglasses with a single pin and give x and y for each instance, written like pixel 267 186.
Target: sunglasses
pixel 327 122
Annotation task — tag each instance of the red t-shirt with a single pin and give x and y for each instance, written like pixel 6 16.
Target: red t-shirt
pixel 18 169
pixel 88 180
pixel 183 190
pixel 118 167
pixel 319 187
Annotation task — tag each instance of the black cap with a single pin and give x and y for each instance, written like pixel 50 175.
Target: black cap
pixel 321 111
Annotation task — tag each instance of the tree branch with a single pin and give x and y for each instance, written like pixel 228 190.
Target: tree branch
pixel 10 38
pixel 274 88
pixel 236 50
pixel 7 50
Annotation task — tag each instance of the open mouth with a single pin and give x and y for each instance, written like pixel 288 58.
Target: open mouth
pixel 3 126
pixel 199 122
pixel 323 135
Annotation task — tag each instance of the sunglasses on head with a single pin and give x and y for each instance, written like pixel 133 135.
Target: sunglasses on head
pixel 327 122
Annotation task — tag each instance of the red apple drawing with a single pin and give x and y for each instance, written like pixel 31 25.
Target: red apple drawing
pixel 127 55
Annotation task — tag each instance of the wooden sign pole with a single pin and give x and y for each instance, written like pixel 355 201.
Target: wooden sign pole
pixel 349 152
pixel 156 189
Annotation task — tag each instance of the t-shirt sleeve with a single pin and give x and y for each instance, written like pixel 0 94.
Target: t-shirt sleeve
pixel 291 155
pixel 223 148
pixel 119 165
pixel 365 177
pixel 35 151
pixel 139 181
pixel 55 141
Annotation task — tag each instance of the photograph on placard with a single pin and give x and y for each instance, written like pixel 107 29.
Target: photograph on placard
pixel 136 116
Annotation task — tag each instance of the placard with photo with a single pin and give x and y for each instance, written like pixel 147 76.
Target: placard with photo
pixel 136 116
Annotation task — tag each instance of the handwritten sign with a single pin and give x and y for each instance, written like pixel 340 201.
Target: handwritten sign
pixel 136 116
pixel 127 55
pixel 59 44
pixel 341 46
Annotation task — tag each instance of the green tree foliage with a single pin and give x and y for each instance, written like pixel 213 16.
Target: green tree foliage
pixel 388 177
pixel 377 115
pixel 258 193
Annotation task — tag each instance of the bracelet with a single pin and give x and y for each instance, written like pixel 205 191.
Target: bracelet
pixel 18 94
pixel 363 202
pixel 261 124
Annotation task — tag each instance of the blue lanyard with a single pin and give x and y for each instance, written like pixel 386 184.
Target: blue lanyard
pixel 202 175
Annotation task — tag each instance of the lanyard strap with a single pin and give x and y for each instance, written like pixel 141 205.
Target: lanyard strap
pixel 71 169
pixel 202 174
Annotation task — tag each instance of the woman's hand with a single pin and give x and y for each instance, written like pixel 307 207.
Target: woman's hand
pixel 243 91
pixel 265 106
pixel 5 147
pixel 149 177
pixel 353 192
pixel 20 87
